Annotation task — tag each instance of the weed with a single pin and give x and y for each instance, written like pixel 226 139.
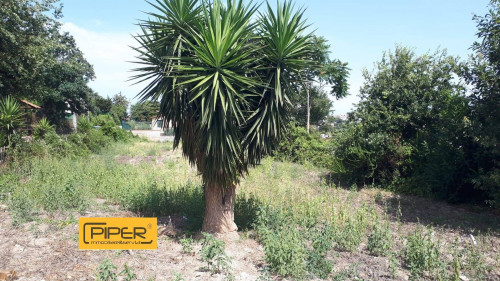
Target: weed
pixel 474 262
pixel 177 277
pixel 187 245
pixel 22 208
pixel 213 253
pixel 350 235
pixel 393 265
pixel 106 271
pixel 322 242
pixel 245 211
pixel 380 239
pixel 286 250
pixel 128 273
pixel 264 274
pixel 422 252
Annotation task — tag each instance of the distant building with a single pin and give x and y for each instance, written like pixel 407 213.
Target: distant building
pixel 157 124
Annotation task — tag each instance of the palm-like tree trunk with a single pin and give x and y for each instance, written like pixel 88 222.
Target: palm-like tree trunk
pixel 219 209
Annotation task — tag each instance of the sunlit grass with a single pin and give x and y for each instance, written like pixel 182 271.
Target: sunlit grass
pixel 291 199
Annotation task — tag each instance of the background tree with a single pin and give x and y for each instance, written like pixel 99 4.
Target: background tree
pixel 119 108
pixel 325 73
pixel 65 80
pixel 144 111
pixel 99 105
pixel 319 106
pixel 483 73
pixel 223 81
pixel 409 130
pixel 24 32
pixel 40 63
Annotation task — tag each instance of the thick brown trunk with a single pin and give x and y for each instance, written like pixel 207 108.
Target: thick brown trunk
pixel 219 209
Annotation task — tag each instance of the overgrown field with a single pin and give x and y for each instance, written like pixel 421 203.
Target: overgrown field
pixel 307 226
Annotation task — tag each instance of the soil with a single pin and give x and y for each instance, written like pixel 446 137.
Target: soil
pixel 47 249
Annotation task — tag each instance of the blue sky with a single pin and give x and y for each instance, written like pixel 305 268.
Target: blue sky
pixel 359 31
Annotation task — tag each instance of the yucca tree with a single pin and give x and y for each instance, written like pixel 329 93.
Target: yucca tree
pixel 11 116
pixel 222 73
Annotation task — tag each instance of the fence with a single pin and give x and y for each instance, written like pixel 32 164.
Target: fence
pixel 3 153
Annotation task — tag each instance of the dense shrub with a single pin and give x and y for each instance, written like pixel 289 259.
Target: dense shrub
pixel 48 143
pixel 410 132
pixel 301 147
pixel 84 125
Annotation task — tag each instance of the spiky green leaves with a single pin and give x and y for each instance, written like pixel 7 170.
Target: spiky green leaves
pixel 222 78
pixel 11 115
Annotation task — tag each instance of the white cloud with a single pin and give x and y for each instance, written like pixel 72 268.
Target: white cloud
pixel 110 55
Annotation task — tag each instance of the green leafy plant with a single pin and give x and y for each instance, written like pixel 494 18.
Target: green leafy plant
pixel 106 271
pixel 11 117
pixel 233 74
pixel 177 277
pixel 42 128
pixel 213 253
pixel 422 252
pixel 380 240
pixel 187 245
pixel 84 125
pixel 321 238
pixel 128 273
pixel 286 250
pixel 350 235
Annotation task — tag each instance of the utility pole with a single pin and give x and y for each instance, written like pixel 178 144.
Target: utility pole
pixel 308 91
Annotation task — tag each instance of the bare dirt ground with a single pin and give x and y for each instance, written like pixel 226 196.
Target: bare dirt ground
pixel 48 250
pixel 153 135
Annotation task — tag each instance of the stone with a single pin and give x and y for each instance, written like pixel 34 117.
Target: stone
pixel 18 249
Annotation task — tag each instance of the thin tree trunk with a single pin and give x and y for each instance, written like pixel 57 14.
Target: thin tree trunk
pixel 308 107
pixel 219 209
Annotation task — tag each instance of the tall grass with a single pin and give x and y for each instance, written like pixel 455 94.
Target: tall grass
pixel 299 218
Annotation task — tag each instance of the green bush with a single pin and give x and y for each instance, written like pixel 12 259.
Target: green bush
pixel 245 211
pixel 300 147
pixel 101 119
pixel 422 253
pixel 42 128
pixel 410 131
pixel 350 235
pixel 213 253
pixel 22 207
pixel 291 248
pixel 84 125
pixel 157 200
pixel 117 133
pixel 321 238
pixel 286 250
pixel 380 240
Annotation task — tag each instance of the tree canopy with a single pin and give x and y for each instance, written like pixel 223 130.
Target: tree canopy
pixel 38 61
pixel 411 117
